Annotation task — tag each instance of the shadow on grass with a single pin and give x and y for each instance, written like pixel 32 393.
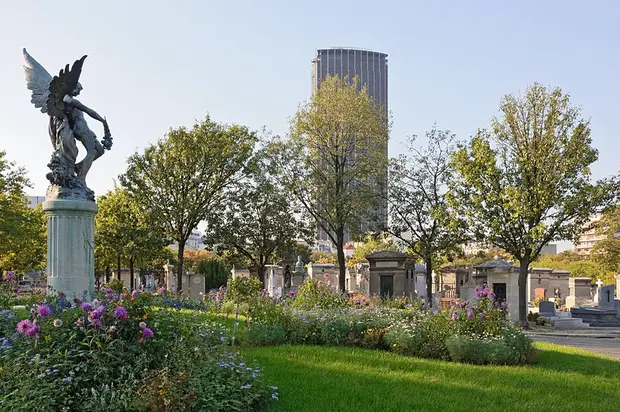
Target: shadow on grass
pixel 564 359
pixel 334 379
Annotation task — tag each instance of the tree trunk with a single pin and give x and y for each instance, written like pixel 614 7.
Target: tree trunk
pixel 107 274
pixel 341 262
pixel 261 274
pixel 180 266
pixel 524 265
pixel 118 266
pixel 131 274
pixel 429 281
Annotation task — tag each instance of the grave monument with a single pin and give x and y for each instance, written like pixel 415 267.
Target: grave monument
pixel 69 203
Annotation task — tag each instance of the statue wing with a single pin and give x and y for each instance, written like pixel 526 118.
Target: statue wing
pixel 61 85
pixel 38 80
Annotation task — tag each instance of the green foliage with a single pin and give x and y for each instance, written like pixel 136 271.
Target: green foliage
pixel 579 265
pixel 315 293
pixel 116 285
pixel 174 361
pixel 23 236
pixel 526 182
pixel 261 334
pixel 371 244
pixel 179 179
pixel 420 216
pixel 336 174
pixel 242 290
pixel 509 348
pixel 322 256
pixel 257 218
pixel 215 272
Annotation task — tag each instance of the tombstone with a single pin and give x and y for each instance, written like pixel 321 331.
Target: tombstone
pixel 546 308
pixel 597 295
pixel 540 294
pixel 571 302
pixel 617 286
pixel 606 297
pixel 170 279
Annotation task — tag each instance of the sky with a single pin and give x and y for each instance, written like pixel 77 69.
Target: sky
pixel 155 65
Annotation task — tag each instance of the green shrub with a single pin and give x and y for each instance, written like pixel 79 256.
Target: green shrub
pixel 260 334
pixel 424 336
pixel 511 347
pixel 315 293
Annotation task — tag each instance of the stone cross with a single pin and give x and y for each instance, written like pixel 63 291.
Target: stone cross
pixel 599 283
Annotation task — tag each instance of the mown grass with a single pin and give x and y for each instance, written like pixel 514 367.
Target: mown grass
pixel 313 378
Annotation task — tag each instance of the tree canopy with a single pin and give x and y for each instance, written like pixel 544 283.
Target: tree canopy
pixel 337 167
pixel 526 181
pixel 184 175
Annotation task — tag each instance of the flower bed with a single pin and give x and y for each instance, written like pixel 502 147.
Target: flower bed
pixel 120 352
pixel 474 333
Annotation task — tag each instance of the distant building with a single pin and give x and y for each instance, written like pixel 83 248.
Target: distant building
pixel 194 242
pixel 549 249
pixel 589 237
pixel 372 69
pixel 34 201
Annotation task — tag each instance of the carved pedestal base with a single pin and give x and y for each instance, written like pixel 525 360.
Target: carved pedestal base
pixel 71 247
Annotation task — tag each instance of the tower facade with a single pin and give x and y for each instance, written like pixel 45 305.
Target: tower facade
pixel 372 70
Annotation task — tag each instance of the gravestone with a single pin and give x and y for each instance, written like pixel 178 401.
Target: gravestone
pixel 606 297
pixel 617 286
pixel 546 308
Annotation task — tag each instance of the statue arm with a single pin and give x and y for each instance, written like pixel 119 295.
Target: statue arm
pixel 78 105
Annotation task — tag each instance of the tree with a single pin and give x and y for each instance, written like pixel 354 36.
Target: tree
pixel 606 252
pixel 323 256
pixel 372 243
pixel 526 182
pixel 419 210
pixel 124 230
pixel 181 177
pixel 23 236
pixel 338 165
pixel 258 218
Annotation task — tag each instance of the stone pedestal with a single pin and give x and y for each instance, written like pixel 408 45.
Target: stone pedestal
pixel 71 247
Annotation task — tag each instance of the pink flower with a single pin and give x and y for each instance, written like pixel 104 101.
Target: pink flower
pixel 24 325
pixel 79 322
pixel 34 330
pixel 44 310
pixel 326 276
pixel 291 293
pixel 120 313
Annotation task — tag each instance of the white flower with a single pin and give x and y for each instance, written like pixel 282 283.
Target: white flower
pixel 142 325
pixel 57 323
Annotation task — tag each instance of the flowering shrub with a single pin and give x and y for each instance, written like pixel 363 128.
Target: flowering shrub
pixel 485 316
pixel 316 293
pixel 510 347
pixel 120 352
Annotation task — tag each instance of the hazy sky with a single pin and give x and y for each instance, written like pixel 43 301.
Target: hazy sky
pixel 153 65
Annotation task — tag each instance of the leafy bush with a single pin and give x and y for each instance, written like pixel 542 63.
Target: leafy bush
pixel 511 347
pixel 423 336
pixel 260 334
pixel 120 352
pixel 315 293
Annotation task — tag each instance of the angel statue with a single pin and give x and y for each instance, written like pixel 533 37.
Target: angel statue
pixel 56 97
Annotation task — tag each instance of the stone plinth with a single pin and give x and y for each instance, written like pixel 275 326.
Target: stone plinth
pixel 71 247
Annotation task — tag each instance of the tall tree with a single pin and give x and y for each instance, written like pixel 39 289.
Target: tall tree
pixel 606 252
pixel 526 182
pixel 22 229
pixel 372 243
pixel 420 216
pixel 338 165
pixel 258 219
pixel 123 228
pixel 181 177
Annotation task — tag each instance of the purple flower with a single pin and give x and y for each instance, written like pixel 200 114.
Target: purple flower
pixel 485 291
pixel 218 296
pixel 452 303
pixel 470 314
pixel 135 294
pixel 478 293
pixel 86 307
pixel 96 323
pixel 161 291
pixel 44 310
pixel 454 314
pixel 147 333
pixel 481 315
pixel 120 313
pixel 9 276
pixel 33 330
pixel 24 325
pixel 503 305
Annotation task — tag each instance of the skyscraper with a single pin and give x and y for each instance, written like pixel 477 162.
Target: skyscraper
pixel 372 69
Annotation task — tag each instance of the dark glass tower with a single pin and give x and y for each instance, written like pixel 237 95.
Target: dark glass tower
pixel 372 69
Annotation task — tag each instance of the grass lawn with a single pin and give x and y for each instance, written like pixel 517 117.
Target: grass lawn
pixel 313 378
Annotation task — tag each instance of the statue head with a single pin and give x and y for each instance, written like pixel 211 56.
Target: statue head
pixel 77 90
pixel 299 266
